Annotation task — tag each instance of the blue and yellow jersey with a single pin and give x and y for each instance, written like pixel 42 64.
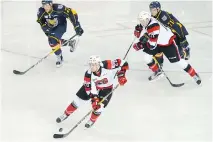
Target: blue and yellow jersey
pixel 168 20
pixel 57 16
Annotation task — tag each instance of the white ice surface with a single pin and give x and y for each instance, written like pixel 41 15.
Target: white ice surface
pixel 139 111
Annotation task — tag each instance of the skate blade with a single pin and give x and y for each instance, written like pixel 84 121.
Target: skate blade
pixel 58 66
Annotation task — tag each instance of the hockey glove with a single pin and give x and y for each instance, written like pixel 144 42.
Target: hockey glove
pixel 144 38
pixel 95 100
pixel 79 31
pixel 138 30
pixel 121 77
pixel 138 46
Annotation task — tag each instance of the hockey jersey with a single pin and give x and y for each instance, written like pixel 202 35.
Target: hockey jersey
pixel 168 20
pixel 57 16
pixel 158 34
pixel 93 82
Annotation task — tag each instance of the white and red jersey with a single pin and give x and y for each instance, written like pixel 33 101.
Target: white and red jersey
pixel 94 82
pixel 158 34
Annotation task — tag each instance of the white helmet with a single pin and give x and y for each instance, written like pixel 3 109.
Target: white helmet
pixel 94 59
pixel 144 17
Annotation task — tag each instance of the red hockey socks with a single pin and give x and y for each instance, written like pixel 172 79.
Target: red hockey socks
pixel 153 66
pixel 94 116
pixel 190 70
pixel 70 109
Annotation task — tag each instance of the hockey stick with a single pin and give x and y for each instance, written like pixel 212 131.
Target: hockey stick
pixel 129 48
pixel 79 122
pixel 21 73
pixel 172 84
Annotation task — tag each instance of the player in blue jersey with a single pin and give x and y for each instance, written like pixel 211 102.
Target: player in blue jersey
pixel 53 20
pixel 168 20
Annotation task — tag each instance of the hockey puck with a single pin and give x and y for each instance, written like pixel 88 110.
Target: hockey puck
pixel 61 129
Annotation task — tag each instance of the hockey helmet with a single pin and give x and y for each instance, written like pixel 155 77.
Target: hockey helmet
pixel 94 59
pixel 154 4
pixel 46 2
pixel 144 18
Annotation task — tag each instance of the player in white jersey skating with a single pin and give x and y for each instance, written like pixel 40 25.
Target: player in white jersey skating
pixel 98 83
pixel 160 39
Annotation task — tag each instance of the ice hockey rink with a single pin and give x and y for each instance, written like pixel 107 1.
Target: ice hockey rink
pixel 139 111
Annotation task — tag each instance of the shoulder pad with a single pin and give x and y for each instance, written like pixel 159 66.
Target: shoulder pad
pixel 58 7
pixel 40 10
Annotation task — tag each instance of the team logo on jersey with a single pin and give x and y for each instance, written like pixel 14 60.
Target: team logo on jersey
pixel 100 82
pixel 52 22
pixel 60 6
pixel 164 18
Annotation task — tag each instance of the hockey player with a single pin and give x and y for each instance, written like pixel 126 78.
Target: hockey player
pixel 52 18
pixel 161 39
pixel 98 82
pixel 168 20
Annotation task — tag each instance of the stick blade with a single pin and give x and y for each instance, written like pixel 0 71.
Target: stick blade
pixel 18 72
pixel 178 85
pixel 56 136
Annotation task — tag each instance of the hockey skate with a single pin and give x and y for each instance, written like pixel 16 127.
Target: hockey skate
pixel 157 74
pixel 197 79
pixel 59 61
pixel 61 118
pixel 71 43
pixel 89 124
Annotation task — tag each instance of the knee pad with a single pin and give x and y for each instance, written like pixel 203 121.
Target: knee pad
pixel 148 58
pixel 182 63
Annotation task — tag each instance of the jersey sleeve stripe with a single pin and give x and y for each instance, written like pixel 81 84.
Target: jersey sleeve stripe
pixel 87 79
pixel 109 64
pixel 152 29
pixel 119 62
pixel 87 89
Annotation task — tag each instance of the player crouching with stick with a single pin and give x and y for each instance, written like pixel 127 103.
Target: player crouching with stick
pixel 98 85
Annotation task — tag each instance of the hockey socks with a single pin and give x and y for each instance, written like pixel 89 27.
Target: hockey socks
pixel 70 109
